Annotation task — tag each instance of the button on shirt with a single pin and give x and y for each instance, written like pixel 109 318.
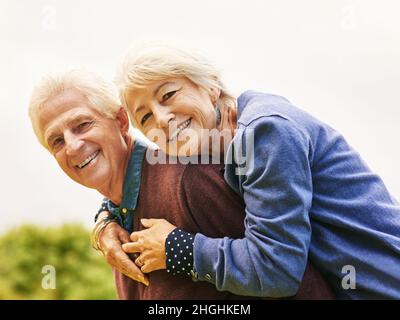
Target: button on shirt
pixel 125 211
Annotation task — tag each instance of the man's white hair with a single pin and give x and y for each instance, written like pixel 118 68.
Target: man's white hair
pixel 101 94
pixel 156 62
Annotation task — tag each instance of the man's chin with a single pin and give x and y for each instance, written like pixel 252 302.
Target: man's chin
pixel 90 182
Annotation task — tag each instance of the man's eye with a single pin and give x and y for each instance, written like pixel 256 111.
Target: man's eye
pixel 168 95
pixel 83 125
pixel 57 142
pixel 145 117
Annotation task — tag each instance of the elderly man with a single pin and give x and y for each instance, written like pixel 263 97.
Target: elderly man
pixel 77 117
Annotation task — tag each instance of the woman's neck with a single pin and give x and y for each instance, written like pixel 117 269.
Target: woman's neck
pixel 227 126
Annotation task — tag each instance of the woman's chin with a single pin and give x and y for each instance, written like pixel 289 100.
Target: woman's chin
pixel 190 149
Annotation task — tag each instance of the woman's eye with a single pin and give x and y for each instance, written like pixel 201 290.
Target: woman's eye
pixel 145 117
pixel 168 95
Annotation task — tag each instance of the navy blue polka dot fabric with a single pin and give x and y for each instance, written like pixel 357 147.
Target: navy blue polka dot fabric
pixel 179 252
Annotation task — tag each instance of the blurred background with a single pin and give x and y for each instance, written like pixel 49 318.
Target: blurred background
pixel 338 60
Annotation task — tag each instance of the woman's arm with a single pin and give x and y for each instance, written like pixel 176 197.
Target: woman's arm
pixel 270 260
pixel 277 190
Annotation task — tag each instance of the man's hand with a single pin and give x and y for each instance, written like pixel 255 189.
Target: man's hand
pixel 111 240
pixel 150 243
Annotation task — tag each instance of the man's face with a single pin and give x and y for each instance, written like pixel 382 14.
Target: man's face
pixel 88 146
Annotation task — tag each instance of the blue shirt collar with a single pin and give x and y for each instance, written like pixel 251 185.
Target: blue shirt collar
pixel 124 213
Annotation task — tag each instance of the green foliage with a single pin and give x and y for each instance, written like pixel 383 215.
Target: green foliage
pixel 81 272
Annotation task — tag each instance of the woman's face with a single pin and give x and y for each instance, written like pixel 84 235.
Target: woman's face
pixel 174 113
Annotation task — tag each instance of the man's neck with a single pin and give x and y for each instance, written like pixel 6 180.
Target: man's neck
pixel 114 192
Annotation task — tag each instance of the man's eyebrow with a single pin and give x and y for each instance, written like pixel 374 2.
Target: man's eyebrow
pixel 50 134
pixel 80 118
pixel 50 137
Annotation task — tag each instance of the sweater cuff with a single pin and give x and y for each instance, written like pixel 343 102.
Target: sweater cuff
pixel 204 258
pixel 179 252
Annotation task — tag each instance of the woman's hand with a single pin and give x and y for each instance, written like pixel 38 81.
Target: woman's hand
pixel 150 243
pixel 111 239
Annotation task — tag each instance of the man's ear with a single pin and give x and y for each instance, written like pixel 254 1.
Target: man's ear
pixel 123 120
pixel 215 94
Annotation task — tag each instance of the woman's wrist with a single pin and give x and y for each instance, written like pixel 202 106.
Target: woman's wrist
pixel 179 252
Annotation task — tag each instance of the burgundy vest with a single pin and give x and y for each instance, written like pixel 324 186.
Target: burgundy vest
pixel 196 199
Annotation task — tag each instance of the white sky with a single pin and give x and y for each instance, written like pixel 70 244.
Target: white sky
pixel 339 60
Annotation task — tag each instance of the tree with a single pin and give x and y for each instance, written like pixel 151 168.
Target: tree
pixel 80 271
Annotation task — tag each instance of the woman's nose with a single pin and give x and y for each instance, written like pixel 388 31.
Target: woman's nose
pixel 163 116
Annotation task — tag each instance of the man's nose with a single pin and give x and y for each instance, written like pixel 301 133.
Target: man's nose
pixel 73 143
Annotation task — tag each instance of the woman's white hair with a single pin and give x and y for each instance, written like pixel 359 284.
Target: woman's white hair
pixel 154 62
pixel 101 95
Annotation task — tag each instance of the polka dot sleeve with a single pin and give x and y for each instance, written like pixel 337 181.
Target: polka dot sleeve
pixel 179 252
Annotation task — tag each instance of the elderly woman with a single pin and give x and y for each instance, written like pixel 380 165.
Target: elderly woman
pixel 307 193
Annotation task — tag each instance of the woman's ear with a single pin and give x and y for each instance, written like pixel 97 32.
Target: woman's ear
pixel 215 94
pixel 123 120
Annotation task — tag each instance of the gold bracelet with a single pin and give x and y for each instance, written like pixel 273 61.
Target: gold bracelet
pixel 98 230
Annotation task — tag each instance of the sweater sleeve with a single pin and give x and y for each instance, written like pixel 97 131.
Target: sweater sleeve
pixel 277 190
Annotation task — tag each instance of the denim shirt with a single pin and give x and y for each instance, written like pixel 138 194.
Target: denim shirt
pixel 130 192
pixel 307 192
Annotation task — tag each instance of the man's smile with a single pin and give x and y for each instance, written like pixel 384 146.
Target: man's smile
pixel 89 159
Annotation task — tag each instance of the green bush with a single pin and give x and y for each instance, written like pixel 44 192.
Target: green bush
pixel 81 272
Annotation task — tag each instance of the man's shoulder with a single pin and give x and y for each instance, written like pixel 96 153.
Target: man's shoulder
pixel 203 171
pixel 205 180
pixel 158 166
pixel 182 172
pixel 205 189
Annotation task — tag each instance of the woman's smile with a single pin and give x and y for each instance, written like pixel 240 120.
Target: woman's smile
pixel 181 127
